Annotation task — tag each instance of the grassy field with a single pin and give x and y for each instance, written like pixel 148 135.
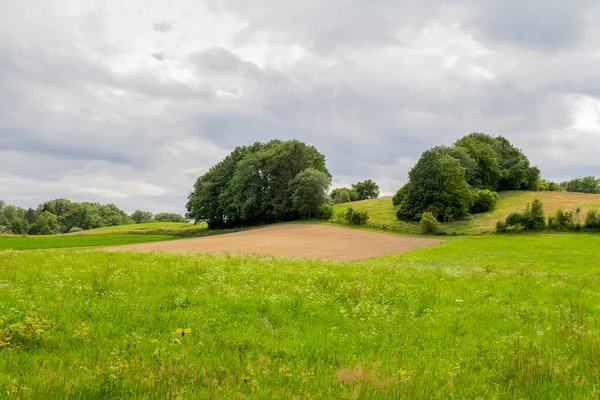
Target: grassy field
pixel 382 211
pixel 62 241
pixel 477 317
pixel 173 228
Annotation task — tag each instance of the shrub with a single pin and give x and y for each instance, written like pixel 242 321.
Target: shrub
pixel 501 227
pixel 562 220
pixel 485 200
pixel 592 219
pixel 354 217
pixel 75 229
pixel 325 212
pixel 514 219
pixel 429 224
pixel 533 218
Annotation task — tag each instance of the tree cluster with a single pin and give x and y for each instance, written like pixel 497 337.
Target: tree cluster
pixel 62 216
pixel 588 184
pixel 261 183
pixel 359 191
pixel 452 182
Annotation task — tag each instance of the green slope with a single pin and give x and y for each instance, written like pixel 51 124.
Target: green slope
pixel 382 211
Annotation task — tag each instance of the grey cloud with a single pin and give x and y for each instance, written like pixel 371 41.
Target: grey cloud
pixel 375 84
pixel 162 27
pixel 548 25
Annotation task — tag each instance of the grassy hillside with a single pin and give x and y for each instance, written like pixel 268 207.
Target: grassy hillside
pixel 145 228
pixel 382 211
pixel 476 317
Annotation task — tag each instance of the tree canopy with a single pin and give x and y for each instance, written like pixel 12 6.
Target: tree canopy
pixel 588 184
pixel 252 184
pixel 62 216
pixel 446 180
pixel 366 189
pixel 437 185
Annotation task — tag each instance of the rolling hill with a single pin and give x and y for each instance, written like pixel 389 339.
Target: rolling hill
pixel 382 211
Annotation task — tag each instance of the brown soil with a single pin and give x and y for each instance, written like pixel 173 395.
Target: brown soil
pixel 294 240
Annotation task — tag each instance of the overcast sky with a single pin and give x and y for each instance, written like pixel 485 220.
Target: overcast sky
pixel 128 102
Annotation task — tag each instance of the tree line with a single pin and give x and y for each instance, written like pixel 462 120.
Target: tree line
pixel 63 216
pixel 262 183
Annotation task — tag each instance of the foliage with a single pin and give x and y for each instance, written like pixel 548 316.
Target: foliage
pixel 429 224
pixel 563 220
pixel 531 219
pixel 325 212
pixel 514 219
pixel 308 191
pixel 549 186
pixel 366 189
pixel 46 223
pixel 354 217
pixel 75 229
pixel 437 185
pixel 501 227
pixel 251 185
pixel 399 196
pixel 592 219
pixel 484 201
pixel 139 216
pixel 498 165
pixel 20 226
pixel 343 195
pixel 588 184
pixel 169 217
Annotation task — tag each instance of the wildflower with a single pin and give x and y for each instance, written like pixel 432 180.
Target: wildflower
pixel 153 340
pixel 403 370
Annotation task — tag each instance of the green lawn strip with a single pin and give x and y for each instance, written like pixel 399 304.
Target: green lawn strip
pixel 483 317
pixel 47 242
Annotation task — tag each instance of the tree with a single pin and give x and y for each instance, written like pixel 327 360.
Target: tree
pixel 437 185
pixel 169 217
pixel 46 224
pixel 588 184
pixel 366 189
pixel 344 195
pixel 20 226
pixel 139 216
pixel 308 191
pixel 251 185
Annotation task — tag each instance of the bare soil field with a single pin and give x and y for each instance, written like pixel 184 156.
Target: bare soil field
pixel 296 241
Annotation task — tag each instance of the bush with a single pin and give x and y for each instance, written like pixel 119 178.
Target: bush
pixel 485 200
pixel 534 216
pixel 325 212
pixel 354 217
pixel 562 220
pixel 75 229
pixel 592 219
pixel 501 227
pixel 514 219
pixel 429 224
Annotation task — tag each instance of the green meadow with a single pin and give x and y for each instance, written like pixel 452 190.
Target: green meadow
pixel 488 317
pixel 62 241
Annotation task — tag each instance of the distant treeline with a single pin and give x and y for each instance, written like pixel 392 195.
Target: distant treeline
pixel 63 216
pixel 588 184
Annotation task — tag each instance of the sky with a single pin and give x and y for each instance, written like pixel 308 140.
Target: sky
pixel 128 102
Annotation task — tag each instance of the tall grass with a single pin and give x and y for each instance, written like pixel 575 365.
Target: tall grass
pixel 487 317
